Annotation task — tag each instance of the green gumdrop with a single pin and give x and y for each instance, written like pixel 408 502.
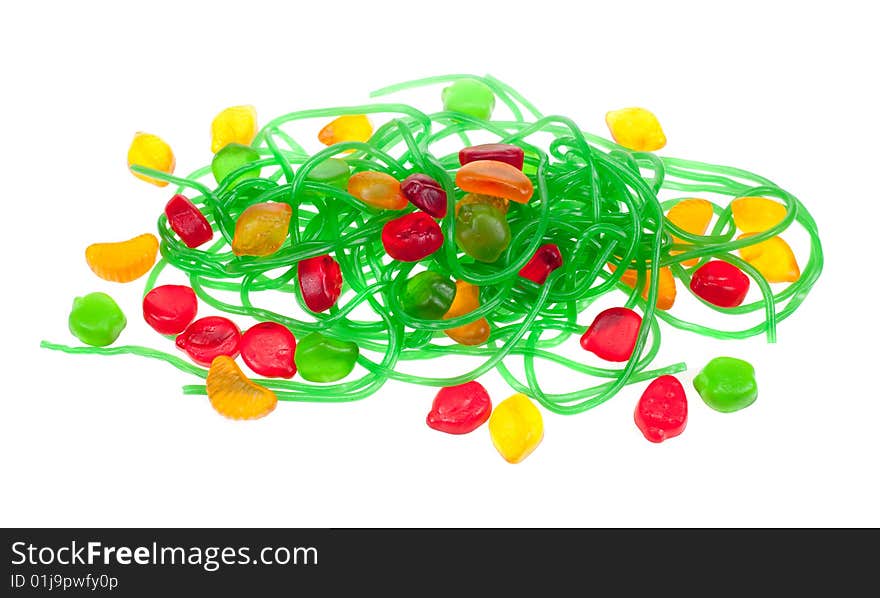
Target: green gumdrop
pixel 331 171
pixel 320 358
pixel 427 295
pixel 727 384
pixel 482 232
pixel 232 157
pixel 96 319
pixel 470 97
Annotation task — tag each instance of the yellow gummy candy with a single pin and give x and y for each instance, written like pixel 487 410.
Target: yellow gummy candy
pixel 123 261
pixel 773 258
pixel 692 215
pixel 351 127
pixel 234 395
pixel 516 428
pixel 636 128
pixel 261 229
pixel 150 151
pixel 756 214
pixel 467 299
pixel 236 124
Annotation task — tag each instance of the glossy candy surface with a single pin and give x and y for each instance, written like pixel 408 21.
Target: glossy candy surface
pixel 500 152
pixel 261 229
pixel 320 282
pixel 426 194
pixel 662 410
pixel 546 259
pixel 188 222
pixel 666 291
pixel 470 97
pixel 377 189
pixel 150 151
pixel 467 299
pixel 773 258
pixel 349 127
pixel 460 409
pixel 268 348
pixel 612 335
pixel 208 337
pixel 96 319
pixel 636 128
pixel 499 203
pixel 727 384
pixel 491 177
pixel 482 232
pixel 230 158
pixel 123 261
pixel 234 395
pixel 427 295
pixel 720 284
pixel 516 428
pixel 693 215
pixel 332 171
pixel 170 308
pixel 412 237
pixel 320 358
pixel 236 124
pixel 756 214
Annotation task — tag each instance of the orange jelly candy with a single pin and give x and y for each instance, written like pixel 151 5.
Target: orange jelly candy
pixel 756 214
pixel 666 291
pixel 123 261
pixel 467 299
pixel 350 127
pixel 233 394
pixel 500 179
pixel 261 229
pixel 692 215
pixel 773 258
pixel 378 190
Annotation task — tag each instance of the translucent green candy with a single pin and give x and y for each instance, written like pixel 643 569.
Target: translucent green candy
pixel 331 171
pixel 427 295
pixel 482 232
pixel 96 319
pixel 232 157
pixel 320 358
pixel 727 384
pixel 470 97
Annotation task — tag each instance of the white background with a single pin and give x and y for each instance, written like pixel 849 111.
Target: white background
pixel 785 90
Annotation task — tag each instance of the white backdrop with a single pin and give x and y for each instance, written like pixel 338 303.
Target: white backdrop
pixel 787 91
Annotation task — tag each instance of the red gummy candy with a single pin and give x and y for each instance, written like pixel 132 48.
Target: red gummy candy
pixel 187 221
pixel 500 152
pixel 206 338
pixel 267 348
pixel 320 282
pixel 170 308
pixel 425 193
pixel 662 410
pixel 612 335
pixel 720 283
pixel 412 237
pixel 460 409
pixel 546 259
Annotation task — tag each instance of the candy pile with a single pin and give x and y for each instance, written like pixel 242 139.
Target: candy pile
pixel 462 234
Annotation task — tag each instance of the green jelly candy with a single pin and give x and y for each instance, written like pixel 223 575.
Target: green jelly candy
pixel 470 97
pixel 96 319
pixel 320 358
pixel 481 231
pixel 727 384
pixel 232 157
pixel 331 171
pixel 427 295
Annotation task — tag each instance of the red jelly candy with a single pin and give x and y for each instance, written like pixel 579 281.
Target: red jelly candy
pixel 412 237
pixel 460 409
pixel 662 411
pixel 425 193
pixel 500 152
pixel 720 283
pixel 267 348
pixel 187 221
pixel 320 281
pixel 546 259
pixel 612 335
pixel 206 338
pixel 170 308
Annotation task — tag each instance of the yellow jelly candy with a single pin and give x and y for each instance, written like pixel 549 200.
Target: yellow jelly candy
pixel 235 396
pixel 666 291
pixel 516 428
pixel 692 215
pixel 123 261
pixel 467 299
pixel 236 124
pixel 636 128
pixel 261 229
pixel 756 214
pixel 351 127
pixel 773 258
pixel 150 151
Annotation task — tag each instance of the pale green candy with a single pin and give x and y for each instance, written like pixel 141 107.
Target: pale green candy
pixel 319 358
pixel 470 97
pixel 727 384
pixel 232 157
pixel 96 319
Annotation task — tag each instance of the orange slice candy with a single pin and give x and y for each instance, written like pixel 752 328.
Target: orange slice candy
pixel 123 261
pixel 693 215
pixel 233 394
pixel 665 292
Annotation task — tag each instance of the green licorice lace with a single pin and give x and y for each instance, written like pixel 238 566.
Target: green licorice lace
pixel 593 198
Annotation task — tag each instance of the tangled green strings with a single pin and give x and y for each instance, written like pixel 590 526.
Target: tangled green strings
pixel 597 201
